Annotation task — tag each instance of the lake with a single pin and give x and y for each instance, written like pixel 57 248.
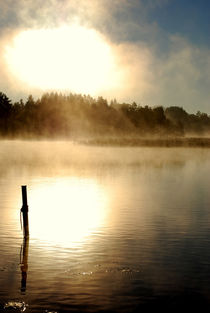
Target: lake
pixel 112 229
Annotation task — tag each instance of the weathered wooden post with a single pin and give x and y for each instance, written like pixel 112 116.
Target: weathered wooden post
pixel 24 211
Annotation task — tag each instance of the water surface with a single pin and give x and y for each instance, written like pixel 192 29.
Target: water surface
pixel 111 229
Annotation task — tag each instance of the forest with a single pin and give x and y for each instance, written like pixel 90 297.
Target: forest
pixel 55 115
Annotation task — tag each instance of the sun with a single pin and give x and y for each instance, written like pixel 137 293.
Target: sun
pixel 65 58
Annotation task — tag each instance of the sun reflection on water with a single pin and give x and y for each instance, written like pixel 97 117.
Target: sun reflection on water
pixel 67 211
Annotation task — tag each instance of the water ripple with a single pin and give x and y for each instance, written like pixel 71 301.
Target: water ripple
pixel 17 305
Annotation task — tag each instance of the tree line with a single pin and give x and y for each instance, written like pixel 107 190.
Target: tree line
pixel 57 115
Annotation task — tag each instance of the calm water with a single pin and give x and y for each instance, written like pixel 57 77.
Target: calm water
pixel 111 229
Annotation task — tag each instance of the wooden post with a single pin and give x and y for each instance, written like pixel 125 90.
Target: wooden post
pixel 24 210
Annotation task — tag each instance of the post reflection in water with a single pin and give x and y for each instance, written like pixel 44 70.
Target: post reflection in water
pixel 24 263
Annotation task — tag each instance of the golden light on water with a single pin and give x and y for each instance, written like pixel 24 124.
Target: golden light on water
pixel 70 57
pixel 67 211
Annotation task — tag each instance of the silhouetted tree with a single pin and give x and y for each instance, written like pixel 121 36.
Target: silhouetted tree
pixel 5 112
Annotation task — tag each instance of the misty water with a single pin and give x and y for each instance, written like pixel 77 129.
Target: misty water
pixel 112 229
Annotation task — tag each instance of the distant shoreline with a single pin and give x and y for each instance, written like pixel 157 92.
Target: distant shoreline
pixel 198 142
pixel 165 142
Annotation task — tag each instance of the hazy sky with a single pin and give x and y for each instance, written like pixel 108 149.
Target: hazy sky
pixel 154 52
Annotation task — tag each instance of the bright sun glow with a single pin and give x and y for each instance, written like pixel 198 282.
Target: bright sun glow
pixel 66 58
pixel 66 211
